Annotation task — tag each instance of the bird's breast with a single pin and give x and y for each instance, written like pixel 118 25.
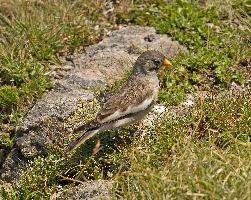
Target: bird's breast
pixel 154 84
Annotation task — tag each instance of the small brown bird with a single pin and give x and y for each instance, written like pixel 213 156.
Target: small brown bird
pixel 131 103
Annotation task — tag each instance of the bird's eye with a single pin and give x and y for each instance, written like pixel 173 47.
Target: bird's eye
pixel 157 62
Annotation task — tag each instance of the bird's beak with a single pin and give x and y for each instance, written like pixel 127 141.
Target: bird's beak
pixel 166 63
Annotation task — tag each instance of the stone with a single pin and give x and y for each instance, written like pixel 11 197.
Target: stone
pixel 92 190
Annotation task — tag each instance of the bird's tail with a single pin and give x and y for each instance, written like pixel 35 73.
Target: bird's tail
pixel 81 139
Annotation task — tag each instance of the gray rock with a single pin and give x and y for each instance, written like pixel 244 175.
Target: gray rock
pixel 13 161
pixel 92 190
pixel 96 70
pixel 43 129
pixel 57 104
pixel 110 58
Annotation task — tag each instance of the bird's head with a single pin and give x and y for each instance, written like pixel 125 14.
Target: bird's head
pixel 150 61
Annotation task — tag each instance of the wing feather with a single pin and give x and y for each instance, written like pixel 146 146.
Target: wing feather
pixel 135 96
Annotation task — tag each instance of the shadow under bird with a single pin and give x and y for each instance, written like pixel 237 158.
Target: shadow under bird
pixel 131 103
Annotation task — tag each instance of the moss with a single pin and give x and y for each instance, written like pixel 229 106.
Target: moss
pixel 38 180
pixel 85 111
pixel 6 141
pixel 8 98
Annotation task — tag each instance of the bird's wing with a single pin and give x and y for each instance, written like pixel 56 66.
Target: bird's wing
pixel 135 96
pixel 88 126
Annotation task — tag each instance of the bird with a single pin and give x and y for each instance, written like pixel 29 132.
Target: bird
pixel 131 103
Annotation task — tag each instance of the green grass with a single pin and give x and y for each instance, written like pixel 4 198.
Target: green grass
pixel 215 45
pixel 32 36
pixel 200 153
pixel 208 157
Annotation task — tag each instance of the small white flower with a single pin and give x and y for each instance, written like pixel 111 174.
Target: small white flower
pixel 159 109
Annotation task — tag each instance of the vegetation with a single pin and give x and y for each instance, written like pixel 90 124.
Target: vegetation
pixel 215 44
pixel 202 152
pixel 32 35
pixel 202 155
